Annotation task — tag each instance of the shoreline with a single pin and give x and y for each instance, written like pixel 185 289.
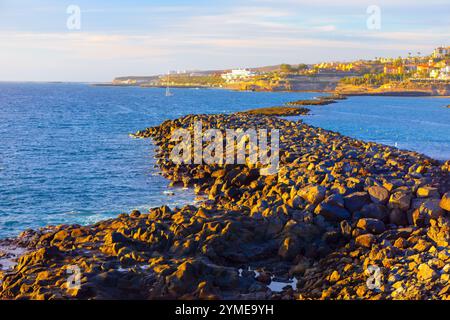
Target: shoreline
pixel 362 93
pixel 334 196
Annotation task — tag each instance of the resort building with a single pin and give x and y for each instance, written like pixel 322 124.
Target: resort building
pixel 238 75
pixel 445 73
pixel 410 68
pixel 435 73
pixel 390 69
pixel 441 52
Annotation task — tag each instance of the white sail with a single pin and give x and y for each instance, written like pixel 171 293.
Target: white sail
pixel 168 93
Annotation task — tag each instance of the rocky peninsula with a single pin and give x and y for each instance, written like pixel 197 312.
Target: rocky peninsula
pixel 339 212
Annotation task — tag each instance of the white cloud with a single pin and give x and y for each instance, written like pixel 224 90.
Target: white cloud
pixel 256 32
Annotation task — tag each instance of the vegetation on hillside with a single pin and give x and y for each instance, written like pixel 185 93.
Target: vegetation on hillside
pixel 374 79
pixel 186 79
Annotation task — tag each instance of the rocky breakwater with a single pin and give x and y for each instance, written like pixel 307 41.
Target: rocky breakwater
pixel 320 101
pixel 347 219
pixel 279 111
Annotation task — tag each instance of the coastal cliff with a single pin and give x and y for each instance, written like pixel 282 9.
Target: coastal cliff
pixel 337 206
pixel 407 88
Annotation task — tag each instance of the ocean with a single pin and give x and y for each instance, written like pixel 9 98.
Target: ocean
pixel 66 156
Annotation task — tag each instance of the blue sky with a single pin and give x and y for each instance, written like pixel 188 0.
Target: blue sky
pixel 148 37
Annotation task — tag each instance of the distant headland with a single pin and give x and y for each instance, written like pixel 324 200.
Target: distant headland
pixel 414 75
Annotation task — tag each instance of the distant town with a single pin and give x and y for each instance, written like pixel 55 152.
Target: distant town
pixel 414 74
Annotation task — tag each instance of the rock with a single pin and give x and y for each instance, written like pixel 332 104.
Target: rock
pixel 365 240
pixel 335 199
pixel 431 208
pixel 378 194
pixel 371 225
pixel 398 217
pixel 400 200
pixel 401 243
pixel 420 218
pixel 264 277
pixel 61 235
pixel 289 249
pixel 356 201
pixel 184 280
pixel 41 256
pixel 440 233
pixel 425 273
pixel 312 194
pixel 427 192
pixel 375 211
pixel 135 214
pixel 445 201
pixel 422 245
pixel 332 212
pixel 116 237
pixel 300 268
pixel 346 229
pixel 334 277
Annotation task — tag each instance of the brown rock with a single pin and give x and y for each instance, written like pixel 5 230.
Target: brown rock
pixel 398 217
pixel 431 208
pixel 420 218
pixel 445 201
pixel 334 277
pixel 135 214
pixel 378 194
pixel 400 200
pixel 289 248
pixel 427 192
pixel 355 201
pixel 425 273
pixel 371 225
pixel 332 212
pixel 312 194
pixel 365 240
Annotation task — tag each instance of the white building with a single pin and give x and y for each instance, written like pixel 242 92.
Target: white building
pixel 445 73
pixel 440 52
pixel 238 74
pixel 435 73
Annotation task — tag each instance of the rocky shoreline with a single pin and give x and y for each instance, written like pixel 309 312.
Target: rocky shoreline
pixel 319 101
pixel 279 111
pixel 338 209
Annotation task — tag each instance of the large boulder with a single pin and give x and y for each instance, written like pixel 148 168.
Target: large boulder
pixel 371 225
pixel 427 192
pixel 431 208
pixel 365 240
pixel 313 194
pixel 289 248
pixel 356 201
pixel 400 200
pixel 332 212
pixel 398 217
pixel 184 279
pixel 378 194
pixel 375 211
pixel 426 273
pixel 440 232
pixel 445 201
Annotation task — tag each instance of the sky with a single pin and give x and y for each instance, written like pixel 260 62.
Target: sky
pixel 122 38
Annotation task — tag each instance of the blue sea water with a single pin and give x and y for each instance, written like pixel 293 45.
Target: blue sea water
pixel 413 123
pixel 66 157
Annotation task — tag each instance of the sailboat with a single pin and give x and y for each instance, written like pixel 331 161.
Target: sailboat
pixel 168 93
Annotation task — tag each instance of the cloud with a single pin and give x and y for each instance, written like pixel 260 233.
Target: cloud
pixel 114 41
pixel 83 45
